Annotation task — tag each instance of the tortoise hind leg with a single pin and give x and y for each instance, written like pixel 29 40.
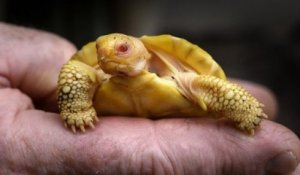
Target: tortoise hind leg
pixel 225 99
pixel 76 86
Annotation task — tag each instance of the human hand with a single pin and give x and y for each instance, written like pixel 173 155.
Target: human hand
pixel 34 141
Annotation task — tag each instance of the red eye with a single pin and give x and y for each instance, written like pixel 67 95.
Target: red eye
pixel 122 48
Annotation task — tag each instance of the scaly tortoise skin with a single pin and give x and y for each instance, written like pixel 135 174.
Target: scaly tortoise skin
pixel 152 76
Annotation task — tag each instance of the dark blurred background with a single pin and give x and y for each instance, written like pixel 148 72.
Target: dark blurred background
pixel 257 40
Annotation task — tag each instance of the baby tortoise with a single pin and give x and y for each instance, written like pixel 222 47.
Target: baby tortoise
pixel 152 76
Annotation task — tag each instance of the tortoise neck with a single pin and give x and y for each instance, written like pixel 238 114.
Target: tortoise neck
pixel 134 81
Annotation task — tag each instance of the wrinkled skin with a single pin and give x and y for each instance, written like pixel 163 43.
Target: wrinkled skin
pixel 33 140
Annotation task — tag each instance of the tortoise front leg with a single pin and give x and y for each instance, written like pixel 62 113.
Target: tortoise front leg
pixel 222 98
pixel 76 86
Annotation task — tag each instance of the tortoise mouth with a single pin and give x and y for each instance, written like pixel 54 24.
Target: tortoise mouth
pixel 115 68
pixel 121 69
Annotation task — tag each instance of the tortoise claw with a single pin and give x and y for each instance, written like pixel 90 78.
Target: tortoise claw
pixel 73 128
pixel 263 115
pixel 82 128
pixel 91 124
pixel 261 105
pixel 65 124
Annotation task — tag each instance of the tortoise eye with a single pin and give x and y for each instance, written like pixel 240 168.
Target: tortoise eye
pixel 122 48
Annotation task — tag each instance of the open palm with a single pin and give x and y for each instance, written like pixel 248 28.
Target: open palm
pixel 34 141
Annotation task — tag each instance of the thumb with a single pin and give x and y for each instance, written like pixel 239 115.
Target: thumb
pixel 30 61
pixel 212 147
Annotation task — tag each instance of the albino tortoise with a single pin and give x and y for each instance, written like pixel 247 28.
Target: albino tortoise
pixel 152 76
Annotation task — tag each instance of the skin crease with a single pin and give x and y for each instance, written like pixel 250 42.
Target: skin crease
pixel 34 141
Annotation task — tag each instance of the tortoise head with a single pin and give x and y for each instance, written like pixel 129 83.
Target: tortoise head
pixel 119 54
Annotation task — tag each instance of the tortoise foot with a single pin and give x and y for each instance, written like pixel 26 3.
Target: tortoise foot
pixel 80 120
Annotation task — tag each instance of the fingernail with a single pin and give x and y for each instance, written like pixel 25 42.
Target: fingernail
pixel 283 163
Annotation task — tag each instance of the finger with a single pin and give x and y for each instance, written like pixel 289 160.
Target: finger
pixel 222 149
pixel 264 95
pixel 297 171
pixel 31 59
